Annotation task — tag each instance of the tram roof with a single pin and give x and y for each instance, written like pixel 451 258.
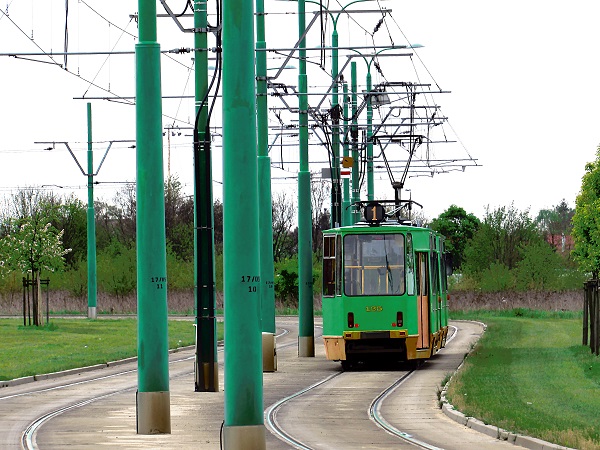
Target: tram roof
pixel 383 227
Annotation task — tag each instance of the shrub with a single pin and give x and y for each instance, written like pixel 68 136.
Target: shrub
pixel 117 272
pixel 497 278
pixel 539 268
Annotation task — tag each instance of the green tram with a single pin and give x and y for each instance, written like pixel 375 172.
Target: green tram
pixel 385 294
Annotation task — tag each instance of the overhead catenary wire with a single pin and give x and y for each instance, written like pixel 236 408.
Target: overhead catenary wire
pixel 106 59
pixel 175 116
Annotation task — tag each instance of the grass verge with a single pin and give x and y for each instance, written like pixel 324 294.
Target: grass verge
pixel 529 374
pixel 69 343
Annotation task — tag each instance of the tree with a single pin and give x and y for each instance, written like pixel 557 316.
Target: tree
pixel 179 220
pixel 70 215
pixel 285 241
pixel 586 221
pixel 218 224
pixel 320 193
pixel 540 267
pixel 458 227
pixel 117 221
pixel 556 221
pixel 500 239
pixel 33 247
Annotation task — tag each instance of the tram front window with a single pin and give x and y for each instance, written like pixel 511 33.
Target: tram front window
pixel 374 264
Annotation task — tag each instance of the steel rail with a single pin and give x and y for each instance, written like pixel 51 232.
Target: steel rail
pixel 271 414
pixel 376 416
pixel 28 438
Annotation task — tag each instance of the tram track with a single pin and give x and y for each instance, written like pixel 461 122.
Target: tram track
pixel 374 411
pixel 358 409
pixel 376 415
pixel 28 438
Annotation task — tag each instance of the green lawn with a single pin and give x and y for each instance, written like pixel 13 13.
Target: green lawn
pixel 70 343
pixel 530 374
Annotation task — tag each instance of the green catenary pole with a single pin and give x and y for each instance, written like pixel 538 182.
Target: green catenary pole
pixel 91 223
pixel 336 216
pixel 370 179
pixel 265 208
pixel 306 332
pixel 346 212
pixel 354 134
pixel 244 422
pixel 206 367
pixel 153 397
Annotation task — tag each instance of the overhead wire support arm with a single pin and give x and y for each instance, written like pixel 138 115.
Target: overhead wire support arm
pixel 175 18
pixel 348 59
pixel 317 14
pixel 83 172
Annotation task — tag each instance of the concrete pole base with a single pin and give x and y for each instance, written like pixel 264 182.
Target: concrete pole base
pixel 306 346
pixel 153 412
pixel 203 384
pixel 269 352
pixel 248 437
pixel 91 312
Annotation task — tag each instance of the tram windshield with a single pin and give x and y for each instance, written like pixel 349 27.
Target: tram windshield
pixel 374 264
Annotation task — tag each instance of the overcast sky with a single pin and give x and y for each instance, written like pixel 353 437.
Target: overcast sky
pixel 522 75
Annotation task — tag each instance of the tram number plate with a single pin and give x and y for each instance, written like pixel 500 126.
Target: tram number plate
pixel 374 308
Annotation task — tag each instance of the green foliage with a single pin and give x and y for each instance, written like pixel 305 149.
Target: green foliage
pixel 219 271
pixel 569 279
pixel 486 314
pixel 179 220
pixel 180 272
pixel 539 269
pixel 461 282
pixel 73 279
pixel 500 239
pixel 586 221
pixel 496 278
pixel 10 282
pixel 32 246
pixel 70 215
pixel 458 227
pixel 286 286
pixel 116 269
pixel 286 281
pixel 556 221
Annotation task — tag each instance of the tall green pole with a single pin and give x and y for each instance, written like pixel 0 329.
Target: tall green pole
pixel 336 216
pixel 244 422
pixel 354 135
pixel 370 178
pixel 306 332
pixel 153 397
pixel 265 208
pixel 206 367
pixel 346 212
pixel 91 223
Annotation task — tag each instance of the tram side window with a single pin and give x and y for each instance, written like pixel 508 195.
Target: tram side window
pixel 329 266
pixel 435 273
pixel 410 266
pixel 338 265
pixel 446 263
